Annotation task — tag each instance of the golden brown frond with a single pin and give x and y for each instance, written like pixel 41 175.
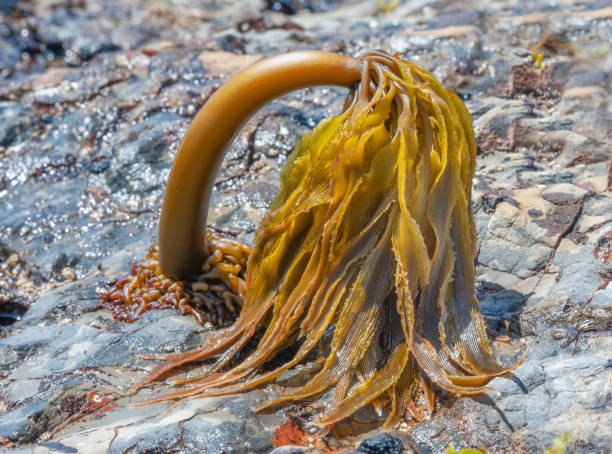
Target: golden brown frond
pixel 372 237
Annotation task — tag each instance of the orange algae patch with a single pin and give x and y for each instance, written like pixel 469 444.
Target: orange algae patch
pixel 289 433
pixel 214 296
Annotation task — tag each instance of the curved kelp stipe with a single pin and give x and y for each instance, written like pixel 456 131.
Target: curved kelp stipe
pixel 182 247
pixel 371 238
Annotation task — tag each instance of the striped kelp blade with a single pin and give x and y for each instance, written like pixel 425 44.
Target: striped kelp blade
pixel 372 237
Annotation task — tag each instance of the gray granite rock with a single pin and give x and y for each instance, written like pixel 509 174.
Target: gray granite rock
pixel 70 363
pixel 94 98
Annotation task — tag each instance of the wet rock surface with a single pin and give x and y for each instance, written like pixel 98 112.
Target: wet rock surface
pixel 94 98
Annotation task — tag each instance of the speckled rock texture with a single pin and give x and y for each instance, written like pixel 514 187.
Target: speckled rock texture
pixel 94 99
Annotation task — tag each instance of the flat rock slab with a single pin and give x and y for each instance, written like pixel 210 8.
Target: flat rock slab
pixel 67 373
pixel 94 99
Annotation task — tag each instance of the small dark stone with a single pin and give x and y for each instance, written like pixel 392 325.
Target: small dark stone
pixel 233 43
pixel 381 444
pixel 13 126
pixel 7 6
pixel 490 201
pixel 534 213
pixel 283 6
pixel 99 166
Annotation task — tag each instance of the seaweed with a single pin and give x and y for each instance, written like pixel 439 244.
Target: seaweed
pixel 371 237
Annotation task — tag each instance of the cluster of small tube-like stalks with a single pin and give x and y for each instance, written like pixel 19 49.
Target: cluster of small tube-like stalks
pixel 214 296
pixel 371 237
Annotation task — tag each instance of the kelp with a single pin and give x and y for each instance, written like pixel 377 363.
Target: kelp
pixel 371 236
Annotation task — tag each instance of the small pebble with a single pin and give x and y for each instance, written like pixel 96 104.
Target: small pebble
pixel 559 334
pixel 68 274
pixel 12 259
